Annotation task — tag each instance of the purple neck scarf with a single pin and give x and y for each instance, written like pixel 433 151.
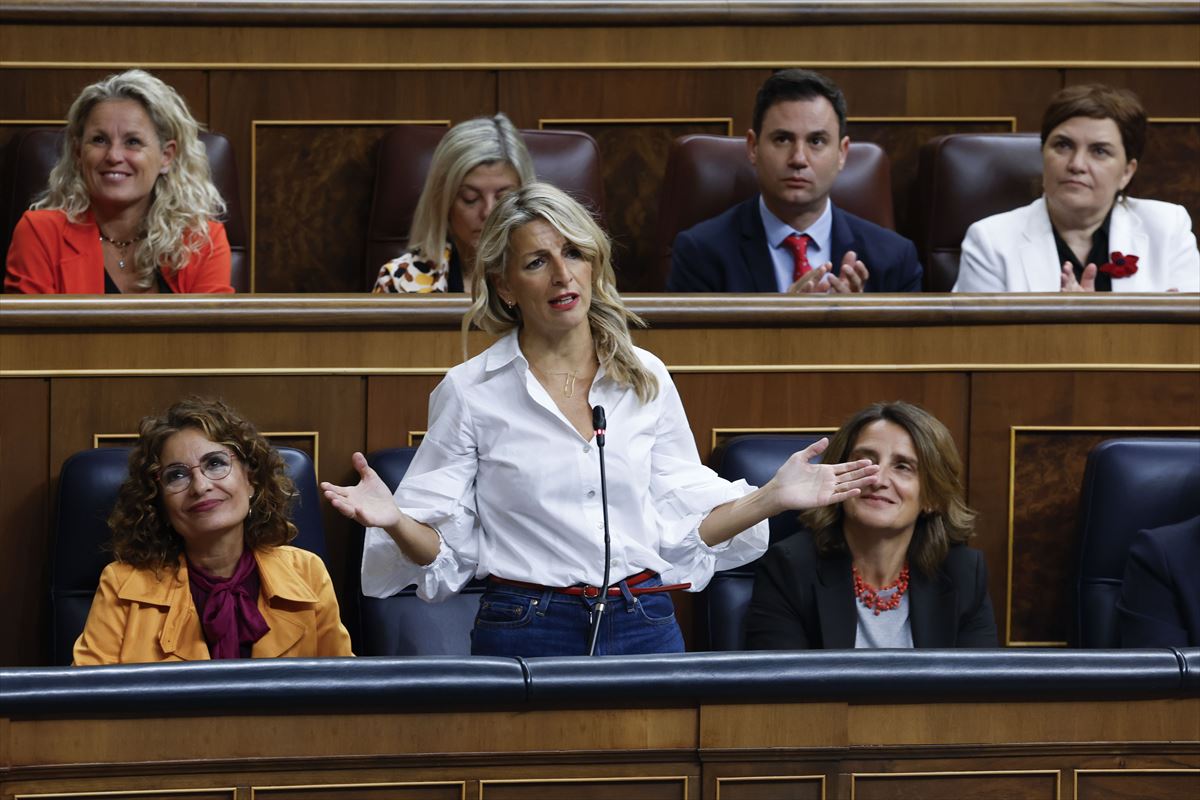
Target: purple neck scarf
pixel 228 607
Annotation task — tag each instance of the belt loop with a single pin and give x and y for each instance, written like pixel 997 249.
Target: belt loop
pixel 543 602
pixel 630 600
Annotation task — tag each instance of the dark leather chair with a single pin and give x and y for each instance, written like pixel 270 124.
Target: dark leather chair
pixel 87 492
pixel 34 152
pixel 568 159
pixel 755 458
pixel 963 178
pixel 706 175
pixel 404 624
pixel 1128 485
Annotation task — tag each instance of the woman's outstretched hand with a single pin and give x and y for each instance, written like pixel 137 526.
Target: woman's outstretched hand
pixel 369 502
pixel 800 484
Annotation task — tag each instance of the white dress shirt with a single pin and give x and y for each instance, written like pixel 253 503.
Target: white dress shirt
pixel 514 490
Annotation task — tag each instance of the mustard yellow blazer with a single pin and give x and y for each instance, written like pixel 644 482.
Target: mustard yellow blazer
pixel 140 616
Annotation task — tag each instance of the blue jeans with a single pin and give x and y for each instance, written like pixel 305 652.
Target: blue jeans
pixel 519 622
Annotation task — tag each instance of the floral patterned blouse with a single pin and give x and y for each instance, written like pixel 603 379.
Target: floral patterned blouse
pixel 413 273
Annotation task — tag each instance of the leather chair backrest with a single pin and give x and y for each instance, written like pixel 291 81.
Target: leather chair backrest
pixel 755 458
pixel 569 160
pixel 706 175
pixel 1128 485
pixel 87 492
pixel 404 624
pixel 962 178
pixel 32 153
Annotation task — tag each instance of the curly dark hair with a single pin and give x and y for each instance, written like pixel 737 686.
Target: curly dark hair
pixel 141 532
pixel 949 519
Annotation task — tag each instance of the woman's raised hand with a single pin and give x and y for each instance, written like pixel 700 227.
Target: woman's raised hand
pixel 800 484
pixel 369 502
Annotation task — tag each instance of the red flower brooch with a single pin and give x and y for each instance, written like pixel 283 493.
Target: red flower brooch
pixel 1120 266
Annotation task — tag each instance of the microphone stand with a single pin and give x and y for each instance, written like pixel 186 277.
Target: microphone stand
pixel 598 424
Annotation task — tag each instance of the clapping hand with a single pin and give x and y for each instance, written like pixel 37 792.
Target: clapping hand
pixel 1087 282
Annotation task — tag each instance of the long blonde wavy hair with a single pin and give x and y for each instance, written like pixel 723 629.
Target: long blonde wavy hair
pixel 608 317
pixel 184 199
pixel 476 142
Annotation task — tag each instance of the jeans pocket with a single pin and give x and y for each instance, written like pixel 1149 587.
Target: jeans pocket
pixel 504 610
pixel 656 608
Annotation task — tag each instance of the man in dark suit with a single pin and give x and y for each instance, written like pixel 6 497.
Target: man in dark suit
pixel 789 237
pixel 1160 597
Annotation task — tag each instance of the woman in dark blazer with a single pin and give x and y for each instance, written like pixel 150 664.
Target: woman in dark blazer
pixel 888 568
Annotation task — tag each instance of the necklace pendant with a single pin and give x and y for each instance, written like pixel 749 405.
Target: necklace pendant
pixel 569 385
pixel 120 263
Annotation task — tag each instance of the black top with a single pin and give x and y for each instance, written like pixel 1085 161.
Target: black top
pixel 1097 255
pixel 111 288
pixel 804 601
pixel 454 278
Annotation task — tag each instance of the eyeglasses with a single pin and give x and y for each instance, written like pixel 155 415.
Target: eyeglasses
pixel 176 478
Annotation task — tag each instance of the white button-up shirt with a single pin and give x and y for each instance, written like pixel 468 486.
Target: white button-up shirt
pixel 514 490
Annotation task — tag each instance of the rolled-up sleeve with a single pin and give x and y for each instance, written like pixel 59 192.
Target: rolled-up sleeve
pixel 684 492
pixel 439 491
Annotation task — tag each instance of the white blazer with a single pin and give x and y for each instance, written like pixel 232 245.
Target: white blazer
pixel 1015 252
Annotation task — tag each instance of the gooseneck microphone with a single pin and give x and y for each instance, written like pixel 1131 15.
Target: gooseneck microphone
pixel 598 425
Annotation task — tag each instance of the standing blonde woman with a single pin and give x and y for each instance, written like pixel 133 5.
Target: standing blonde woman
pixel 475 164
pixel 506 483
pixel 131 207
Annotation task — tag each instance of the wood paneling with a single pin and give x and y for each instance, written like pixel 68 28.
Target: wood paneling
pixel 46 93
pixel 699 750
pixel 1103 400
pixel 309 180
pixel 771 787
pixel 24 511
pixel 902 140
pixel 333 179
pixel 587 789
pixel 978 786
pixel 634 157
pixel 800 44
pixel 363 791
pixel 1137 784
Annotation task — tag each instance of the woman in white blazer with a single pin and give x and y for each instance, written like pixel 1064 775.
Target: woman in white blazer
pixel 1084 234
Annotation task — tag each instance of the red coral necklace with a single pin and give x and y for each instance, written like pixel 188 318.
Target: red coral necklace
pixel 869 596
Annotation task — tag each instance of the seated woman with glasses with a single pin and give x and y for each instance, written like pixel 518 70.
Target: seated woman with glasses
pixel 203 569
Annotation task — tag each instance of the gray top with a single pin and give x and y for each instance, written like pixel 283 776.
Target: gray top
pixel 886 629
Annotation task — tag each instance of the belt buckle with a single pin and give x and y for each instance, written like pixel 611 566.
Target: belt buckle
pixel 591 592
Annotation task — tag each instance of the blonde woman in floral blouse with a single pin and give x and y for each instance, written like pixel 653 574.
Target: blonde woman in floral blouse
pixel 476 163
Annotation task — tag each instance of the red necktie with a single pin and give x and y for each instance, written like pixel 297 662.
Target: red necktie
pixel 798 244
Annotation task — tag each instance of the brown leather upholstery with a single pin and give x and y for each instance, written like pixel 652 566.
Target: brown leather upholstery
pixel 963 178
pixel 569 160
pixel 32 153
pixel 706 175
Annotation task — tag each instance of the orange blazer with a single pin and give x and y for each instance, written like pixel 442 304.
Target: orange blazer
pixel 49 254
pixel 138 616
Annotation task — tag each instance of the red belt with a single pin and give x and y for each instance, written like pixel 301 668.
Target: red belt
pixel 633 582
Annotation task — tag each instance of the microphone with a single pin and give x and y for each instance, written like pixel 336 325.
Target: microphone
pixel 598 425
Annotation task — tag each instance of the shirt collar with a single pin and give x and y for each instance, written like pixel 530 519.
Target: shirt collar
pixel 778 230
pixel 506 350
